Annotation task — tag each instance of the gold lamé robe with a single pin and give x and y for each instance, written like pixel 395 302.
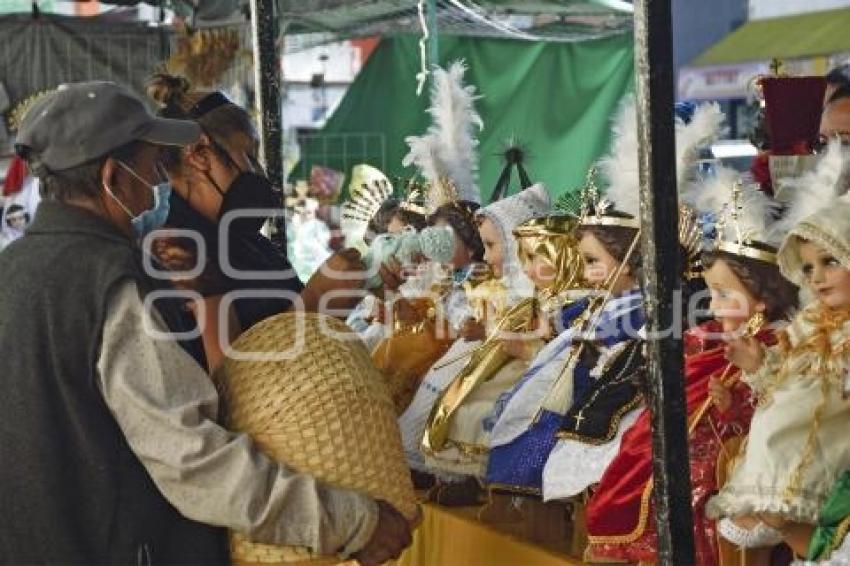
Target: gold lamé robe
pixel 406 356
pixel 489 361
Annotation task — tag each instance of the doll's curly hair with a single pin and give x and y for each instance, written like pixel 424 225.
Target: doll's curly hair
pixel 762 280
pixel 460 215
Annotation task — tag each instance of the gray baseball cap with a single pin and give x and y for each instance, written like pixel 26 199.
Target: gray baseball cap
pixel 81 122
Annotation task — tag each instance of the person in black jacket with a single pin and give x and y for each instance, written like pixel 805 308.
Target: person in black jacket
pixel 218 182
pixel 215 182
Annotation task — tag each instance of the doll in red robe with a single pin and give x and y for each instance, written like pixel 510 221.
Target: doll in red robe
pixel 620 513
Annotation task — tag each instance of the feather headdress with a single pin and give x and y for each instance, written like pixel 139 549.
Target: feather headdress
pixel 620 168
pixel 705 126
pixel 446 153
pixel 815 189
pixel 744 216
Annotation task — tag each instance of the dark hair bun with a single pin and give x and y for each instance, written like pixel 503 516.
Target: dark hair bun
pixel 168 90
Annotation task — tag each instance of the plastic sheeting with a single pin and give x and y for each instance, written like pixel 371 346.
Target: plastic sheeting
pixel 41 53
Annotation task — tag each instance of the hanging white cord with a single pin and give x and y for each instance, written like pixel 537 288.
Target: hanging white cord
pixel 422 75
pixel 476 12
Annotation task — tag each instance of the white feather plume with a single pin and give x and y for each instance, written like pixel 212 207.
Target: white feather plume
pixel 756 211
pixel 423 155
pixel 448 147
pixel 620 166
pixel 705 127
pixel 816 189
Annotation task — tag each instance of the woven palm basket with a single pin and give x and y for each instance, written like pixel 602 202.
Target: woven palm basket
pixel 324 411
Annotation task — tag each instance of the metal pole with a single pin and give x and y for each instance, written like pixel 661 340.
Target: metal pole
pixel 267 82
pixel 433 34
pixel 662 281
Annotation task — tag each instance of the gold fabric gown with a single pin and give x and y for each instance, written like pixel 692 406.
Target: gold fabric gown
pixel 455 440
pixel 406 356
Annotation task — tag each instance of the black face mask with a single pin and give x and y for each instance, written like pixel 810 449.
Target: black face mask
pixel 248 190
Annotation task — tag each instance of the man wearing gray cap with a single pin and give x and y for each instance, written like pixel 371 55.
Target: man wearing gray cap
pixel 109 447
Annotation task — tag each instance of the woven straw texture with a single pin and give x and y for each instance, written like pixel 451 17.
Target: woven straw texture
pixel 325 412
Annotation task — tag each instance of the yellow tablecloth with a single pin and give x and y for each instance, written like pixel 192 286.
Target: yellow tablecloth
pixel 454 537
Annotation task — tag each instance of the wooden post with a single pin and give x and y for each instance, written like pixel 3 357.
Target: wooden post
pixel 662 267
pixel 267 81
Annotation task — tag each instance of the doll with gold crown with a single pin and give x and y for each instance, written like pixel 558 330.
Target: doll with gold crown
pixel 456 438
pixel 798 445
pixel 747 296
pixel 582 388
pixel 503 303
pixel 526 418
pixel 431 307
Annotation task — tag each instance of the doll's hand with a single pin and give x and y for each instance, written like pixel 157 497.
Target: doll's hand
pixel 521 349
pixel 376 313
pixel 404 312
pixel 719 394
pixel 745 353
pixel 472 330
pixel 545 329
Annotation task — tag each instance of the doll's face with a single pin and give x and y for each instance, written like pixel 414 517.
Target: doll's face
pixel 17 221
pixel 396 226
pixel 600 265
pixel 493 250
pixel 826 277
pixel 463 256
pixel 731 303
pixel 535 266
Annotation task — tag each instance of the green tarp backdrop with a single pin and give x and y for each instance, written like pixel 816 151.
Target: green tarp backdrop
pixel 557 99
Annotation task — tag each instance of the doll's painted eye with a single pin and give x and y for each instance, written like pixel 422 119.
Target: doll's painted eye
pixel 807 269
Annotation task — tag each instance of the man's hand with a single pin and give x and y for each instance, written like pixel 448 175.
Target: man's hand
pixel 524 349
pixel 391 537
pixel 343 271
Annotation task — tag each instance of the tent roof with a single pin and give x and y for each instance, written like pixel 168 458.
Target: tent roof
pixel 791 37
pixel 564 20
pixel 553 20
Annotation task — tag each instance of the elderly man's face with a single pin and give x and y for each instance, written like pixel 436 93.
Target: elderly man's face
pixel 835 121
pixel 135 190
pixel 129 185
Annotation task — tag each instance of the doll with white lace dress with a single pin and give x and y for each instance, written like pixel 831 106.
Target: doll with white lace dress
pixel 798 445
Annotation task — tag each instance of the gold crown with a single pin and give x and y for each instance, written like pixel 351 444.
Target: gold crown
pixel 690 238
pixel 596 210
pixel 416 197
pixel 743 242
pixel 426 198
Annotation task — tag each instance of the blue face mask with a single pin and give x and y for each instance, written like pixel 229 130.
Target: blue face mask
pixel 153 218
